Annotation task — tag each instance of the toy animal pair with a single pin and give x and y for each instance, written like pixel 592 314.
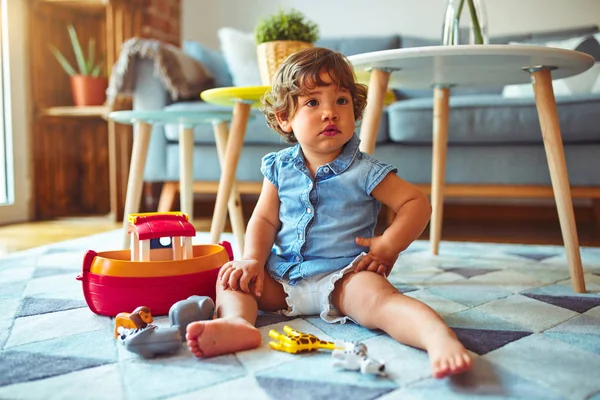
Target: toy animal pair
pixel 138 335
pixel 348 355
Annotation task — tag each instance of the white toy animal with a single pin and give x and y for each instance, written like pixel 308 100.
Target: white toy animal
pixel 353 356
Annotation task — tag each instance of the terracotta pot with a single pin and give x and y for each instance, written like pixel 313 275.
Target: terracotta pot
pixel 88 91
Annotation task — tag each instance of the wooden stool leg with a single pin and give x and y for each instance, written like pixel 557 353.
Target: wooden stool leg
pixel 167 196
pixel 234 205
pixel 186 170
pixel 372 115
pixel 241 113
pixel 441 110
pixel 546 107
pixel 112 170
pixel 135 181
pixel 596 212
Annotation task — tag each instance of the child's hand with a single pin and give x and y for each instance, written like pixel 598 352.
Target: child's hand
pixel 241 275
pixel 380 258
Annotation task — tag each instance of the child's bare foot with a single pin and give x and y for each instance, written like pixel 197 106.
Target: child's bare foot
pixel 221 336
pixel 448 356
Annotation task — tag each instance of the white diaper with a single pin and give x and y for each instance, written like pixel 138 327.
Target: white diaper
pixel 313 295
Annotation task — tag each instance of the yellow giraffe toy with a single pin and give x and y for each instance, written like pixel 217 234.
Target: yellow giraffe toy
pixel 297 342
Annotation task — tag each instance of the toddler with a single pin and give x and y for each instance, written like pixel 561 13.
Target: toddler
pixel 310 245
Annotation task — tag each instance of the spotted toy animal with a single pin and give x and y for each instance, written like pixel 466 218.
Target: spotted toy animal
pixel 297 342
pixel 353 356
pixel 138 319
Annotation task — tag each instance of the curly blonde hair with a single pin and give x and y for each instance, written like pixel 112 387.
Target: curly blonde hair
pixel 299 73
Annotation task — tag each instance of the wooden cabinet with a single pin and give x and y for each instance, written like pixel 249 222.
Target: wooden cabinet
pixel 70 167
pixel 76 166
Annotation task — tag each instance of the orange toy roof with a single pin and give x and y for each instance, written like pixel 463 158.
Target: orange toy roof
pixel 157 225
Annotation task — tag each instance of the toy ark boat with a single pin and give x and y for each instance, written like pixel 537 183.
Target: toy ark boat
pixel 161 268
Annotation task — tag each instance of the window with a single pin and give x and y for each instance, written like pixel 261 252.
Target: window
pixel 14 113
pixel 3 153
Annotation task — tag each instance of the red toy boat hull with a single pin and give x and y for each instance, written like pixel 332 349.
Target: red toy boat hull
pixel 110 295
pixel 119 285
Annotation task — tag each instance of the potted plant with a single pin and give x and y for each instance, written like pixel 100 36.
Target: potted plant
pixel 87 85
pixel 279 35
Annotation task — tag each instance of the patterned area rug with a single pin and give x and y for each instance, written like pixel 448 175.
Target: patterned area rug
pixel 511 305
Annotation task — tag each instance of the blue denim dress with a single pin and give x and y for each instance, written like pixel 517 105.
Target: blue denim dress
pixel 321 217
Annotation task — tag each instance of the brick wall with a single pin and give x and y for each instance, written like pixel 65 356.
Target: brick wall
pixel 162 20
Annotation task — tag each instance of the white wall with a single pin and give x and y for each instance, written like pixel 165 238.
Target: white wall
pixel 202 18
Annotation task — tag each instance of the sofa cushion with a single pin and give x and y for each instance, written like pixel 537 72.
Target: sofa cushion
pixel 405 94
pixel 493 164
pixel 239 50
pixel 359 44
pixel 585 82
pixel 407 41
pixel 257 132
pixel 213 60
pixel 545 36
pixel 493 119
pixel 206 164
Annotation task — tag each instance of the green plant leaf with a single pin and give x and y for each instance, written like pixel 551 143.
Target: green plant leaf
pixel 475 21
pixel 63 61
pixel 283 25
pixel 78 51
pixel 456 27
pixel 96 70
pixel 91 54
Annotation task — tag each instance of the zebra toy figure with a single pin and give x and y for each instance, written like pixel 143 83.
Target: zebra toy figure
pixel 353 356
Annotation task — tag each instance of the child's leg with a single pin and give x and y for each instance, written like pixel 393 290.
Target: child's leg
pixel 234 329
pixel 373 302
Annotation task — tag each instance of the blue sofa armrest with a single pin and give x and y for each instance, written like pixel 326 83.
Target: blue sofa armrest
pixel 150 94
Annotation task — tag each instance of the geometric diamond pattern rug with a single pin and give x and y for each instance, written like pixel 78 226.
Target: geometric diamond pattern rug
pixel 512 306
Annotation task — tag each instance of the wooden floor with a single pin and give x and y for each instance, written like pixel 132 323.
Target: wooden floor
pixel 474 224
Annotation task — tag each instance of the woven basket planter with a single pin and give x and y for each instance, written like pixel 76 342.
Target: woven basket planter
pixel 272 54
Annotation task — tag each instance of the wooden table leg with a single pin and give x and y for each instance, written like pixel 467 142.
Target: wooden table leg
pixel 120 141
pixel 546 107
pixel 112 170
pixel 124 154
pixel 372 115
pixel 135 182
pixel 186 170
pixel 167 196
pixel 241 113
pixel 234 205
pixel 441 110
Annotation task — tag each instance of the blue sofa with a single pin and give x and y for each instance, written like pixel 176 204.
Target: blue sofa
pixel 494 141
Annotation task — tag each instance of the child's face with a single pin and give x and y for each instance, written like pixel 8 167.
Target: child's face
pixel 324 118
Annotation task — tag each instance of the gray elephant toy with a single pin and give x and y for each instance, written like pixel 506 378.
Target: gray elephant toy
pixel 150 340
pixel 194 308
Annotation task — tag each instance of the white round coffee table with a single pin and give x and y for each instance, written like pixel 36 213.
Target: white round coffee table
pixel 444 67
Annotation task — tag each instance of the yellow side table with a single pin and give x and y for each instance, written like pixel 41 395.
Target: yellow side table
pixel 242 99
